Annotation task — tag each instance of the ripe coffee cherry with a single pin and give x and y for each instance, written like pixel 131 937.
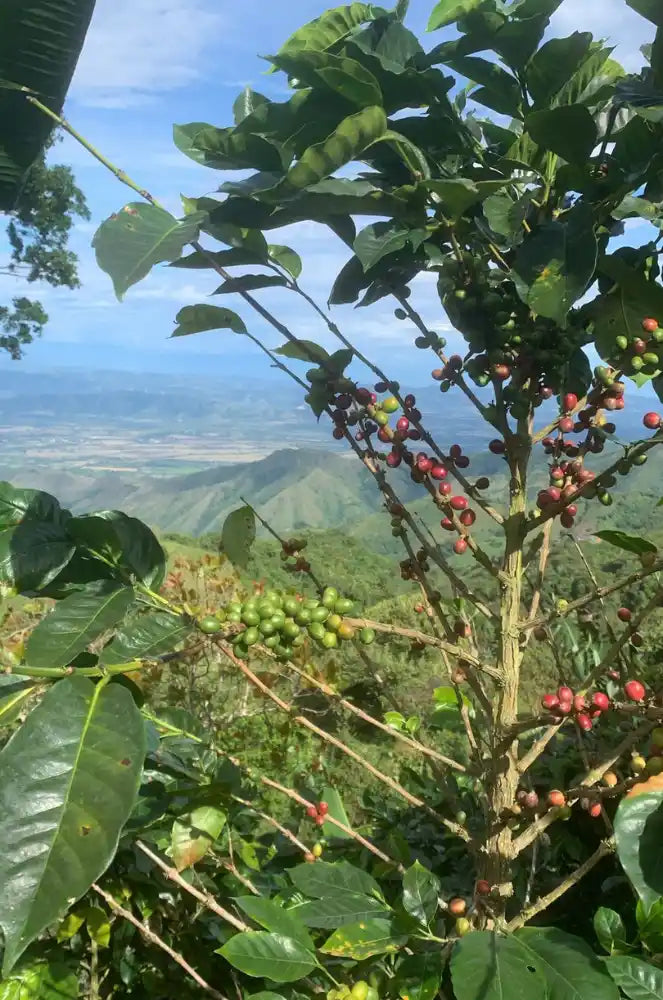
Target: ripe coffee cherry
pixel 634 690
pixel 601 701
pixel 455 451
pixel 639 346
pixel 584 722
pixel 463 629
pixel 595 810
pixel 458 907
pixel 650 325
pixel 497 447
pixel 637 640
pixel 565 693
pixel 402 425
pixel 312 812
pixel 483 888
pixel 467 518
pixel 566 425
pixel 309 857
pixel 569 402
pixel 624 614
pixel 460 548
pixel 531 800
pixel 501 372
pixel 579 703
pixel 319 820
pixel 445 489
pixel 652 421
pixel 438 472
pixel 323 808
pixel 556 798
pixel 565 707
pixel 567 520
pixel 482 484
pixel 550 701
pixel 459 503
pixel 394 459
pixel 447 524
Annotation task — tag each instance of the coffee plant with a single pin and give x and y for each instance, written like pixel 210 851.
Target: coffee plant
pixel 142 855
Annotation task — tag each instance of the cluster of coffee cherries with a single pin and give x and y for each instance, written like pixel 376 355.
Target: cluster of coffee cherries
pixel 565 702
pixel 318 814
pixel 640 353
pixel 360 990
pixel 458 907
pixel 282 622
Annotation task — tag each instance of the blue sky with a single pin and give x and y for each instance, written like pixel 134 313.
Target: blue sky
pixel 150 63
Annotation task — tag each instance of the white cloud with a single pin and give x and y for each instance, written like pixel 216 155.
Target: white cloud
pixel 136 49
pixel 608 19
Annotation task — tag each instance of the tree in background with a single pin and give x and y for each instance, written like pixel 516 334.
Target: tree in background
pixel 38 234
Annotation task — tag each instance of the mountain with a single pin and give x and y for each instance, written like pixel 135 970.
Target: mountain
pixel 291 488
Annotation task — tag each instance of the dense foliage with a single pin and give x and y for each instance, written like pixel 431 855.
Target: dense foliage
pixel 162 829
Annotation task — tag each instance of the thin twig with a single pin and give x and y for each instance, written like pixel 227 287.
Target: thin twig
pixel 394 733
pixel 594 595
pixel 302 720
pixel 288 834
pixel 154 939
pixel 205 898
pixel 544 902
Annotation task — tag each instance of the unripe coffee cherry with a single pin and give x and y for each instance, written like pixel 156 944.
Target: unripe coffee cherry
pixel 634 690
pixel 317 851
pixel 463 926
pixel 610 779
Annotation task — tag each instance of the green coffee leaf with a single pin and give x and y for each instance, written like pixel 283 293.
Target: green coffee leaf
pixel 77 621
pixel 638 834
pixel 628 543
pixel 362 940
pixel 570 967
pixel 555 264
pixel 274 917
pixel 447 11
pixel 194 834
pixel 345 143
pixel 200 318
pixel 420 891
pixel 133 240
pixel 270 956
pixel 238 535
pixel 638 980
pixel 610 931
pixel 73 814
pixel 487 966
